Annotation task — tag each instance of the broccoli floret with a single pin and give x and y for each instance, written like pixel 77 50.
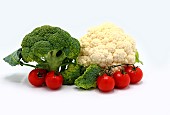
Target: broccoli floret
pixel 72 73
pixel 88 79
pixel 49 47
pixel 82 70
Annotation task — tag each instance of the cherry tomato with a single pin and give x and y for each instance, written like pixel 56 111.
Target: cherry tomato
pixel 105 83
pixel 100 77
pixel 54 81
pixel 135 74
pixel 37 77
pixel 122 80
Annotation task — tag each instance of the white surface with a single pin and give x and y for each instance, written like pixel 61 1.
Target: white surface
pixel 147 21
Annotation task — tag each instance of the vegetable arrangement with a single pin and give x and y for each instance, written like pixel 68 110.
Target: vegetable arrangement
pixel 104 58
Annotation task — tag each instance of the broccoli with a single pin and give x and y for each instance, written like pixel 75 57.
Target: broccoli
pixel 88 79
pixel 48 46
pixel 72 73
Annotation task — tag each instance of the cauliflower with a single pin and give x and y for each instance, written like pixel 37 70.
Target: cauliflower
pixel 106 45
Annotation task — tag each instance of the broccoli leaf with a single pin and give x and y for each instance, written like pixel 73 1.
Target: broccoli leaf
pixel 88 79
pixel 137 60
pixel 14 58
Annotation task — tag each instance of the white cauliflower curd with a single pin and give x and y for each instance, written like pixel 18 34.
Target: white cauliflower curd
pixel 106 45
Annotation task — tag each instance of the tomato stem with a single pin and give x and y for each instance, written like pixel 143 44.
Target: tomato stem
pixel 108 69
pixel 123 71
pixel 39 74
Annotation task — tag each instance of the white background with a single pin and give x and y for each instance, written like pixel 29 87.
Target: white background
pixel 148 21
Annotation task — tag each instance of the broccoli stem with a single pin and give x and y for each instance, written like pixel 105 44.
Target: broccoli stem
pixel 54 61
pixel 21 63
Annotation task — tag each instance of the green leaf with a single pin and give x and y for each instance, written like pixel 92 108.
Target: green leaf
pixel 14 58
pixel 137 60
pixel 88 79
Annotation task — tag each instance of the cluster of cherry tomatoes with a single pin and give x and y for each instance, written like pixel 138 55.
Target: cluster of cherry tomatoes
pixel 105 83
pixel 40 77
pixel 119 79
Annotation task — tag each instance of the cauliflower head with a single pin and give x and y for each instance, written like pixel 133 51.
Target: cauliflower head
pixel 106 45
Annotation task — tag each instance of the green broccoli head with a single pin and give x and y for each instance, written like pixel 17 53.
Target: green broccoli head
pixel 72 73
pixel 88 79
pixel 49 46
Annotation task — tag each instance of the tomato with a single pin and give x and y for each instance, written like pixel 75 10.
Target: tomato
pixel 105 83
pixel 122 80
pixel 53 81
pixel 37 77
pixel 135 74
pixel 100 77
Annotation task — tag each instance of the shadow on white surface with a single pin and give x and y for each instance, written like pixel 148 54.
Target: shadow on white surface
pixel 17 78
pixel 80 89
pixel 96 90
pixel 139 83
pixel 126 88
pixel 111 92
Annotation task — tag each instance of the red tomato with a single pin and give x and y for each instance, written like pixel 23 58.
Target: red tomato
pixel 53 81
pixel 37 77
pixel 122 80
pixel 105 83
pixel 135 74
pixel 100 77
